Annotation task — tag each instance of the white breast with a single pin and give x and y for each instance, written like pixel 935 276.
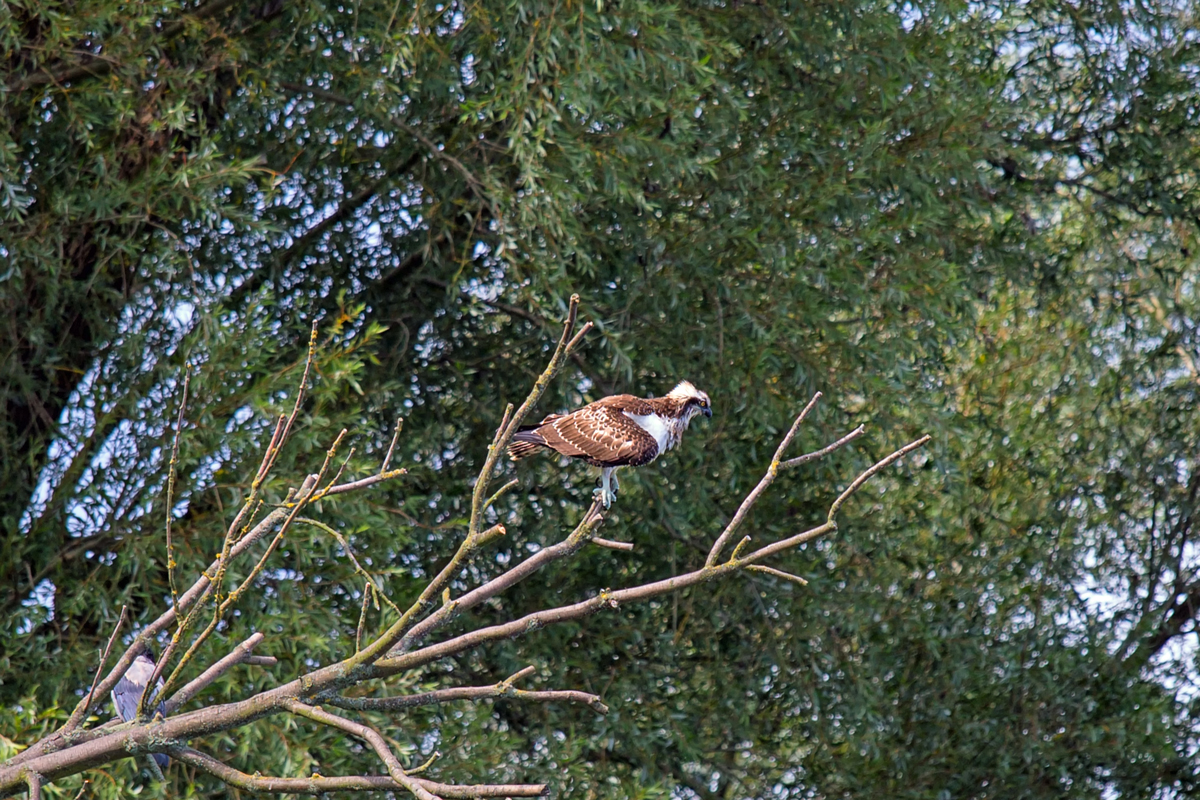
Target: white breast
pixel 140 671
pixel 663 431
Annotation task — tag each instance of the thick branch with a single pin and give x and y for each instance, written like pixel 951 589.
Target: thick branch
pixel 580 610
pixel 93 748
pixel 353 783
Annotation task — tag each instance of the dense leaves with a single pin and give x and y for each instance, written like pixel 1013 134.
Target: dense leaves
pixel 972 220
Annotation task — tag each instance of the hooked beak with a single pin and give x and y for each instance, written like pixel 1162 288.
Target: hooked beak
pixel 707 410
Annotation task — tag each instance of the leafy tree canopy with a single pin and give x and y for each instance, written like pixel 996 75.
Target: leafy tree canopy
pixel 976 220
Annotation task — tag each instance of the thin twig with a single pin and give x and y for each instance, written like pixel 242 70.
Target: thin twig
pixel 349 552
pixel 362 615
pixel 260 661
pixel 866 476
pixel 824 451
pixel 334 479
pixel 387 459
pixel 504 688
pixel 767 480
pixel 611 545
pixel 510 423
pixel 778 573
pixel 86 703
pixel 500 493
pixel 428 763
pixel 171 469
pixel 363 483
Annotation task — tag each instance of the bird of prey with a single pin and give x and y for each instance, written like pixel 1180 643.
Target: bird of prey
pixel 128 693
pixel 618 431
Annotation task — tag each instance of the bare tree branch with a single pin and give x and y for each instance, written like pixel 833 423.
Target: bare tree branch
pixel 371 737
pixel 611 545
pixel 82 707
pixel 239 655
pixel 504 688
pixel 403 645
pixel 187 379
pixel 767 480
pixel 353 783
pixel 34 781
pixel 778 573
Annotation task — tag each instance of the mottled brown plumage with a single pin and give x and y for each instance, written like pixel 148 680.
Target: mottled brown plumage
pixel 618 431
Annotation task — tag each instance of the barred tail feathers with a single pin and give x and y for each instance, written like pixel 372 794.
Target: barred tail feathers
pixel 525 443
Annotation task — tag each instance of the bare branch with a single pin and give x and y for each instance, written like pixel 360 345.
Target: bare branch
pixel 778 573
pixel 84 705
pixel 767 480
pixel 824 451
pixel 866 476
pixel 206 678
pixel 613 599
pixel 387 459
pixel 371 737
pixel 371 480
pixel 368 588
pixel 504 688
pixel 611 545
pixel 508 427
pixel 569 546
pixel 34 781
pixel 187 379
pixel 260 661
pixel 354 783
pixel 300 393
pixel 338 474
pixel 500 493
pixel 232 598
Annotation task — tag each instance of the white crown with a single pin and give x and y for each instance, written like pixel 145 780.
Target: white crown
pixel 685 390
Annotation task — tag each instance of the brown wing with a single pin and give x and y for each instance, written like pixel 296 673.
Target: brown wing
pixel 601 434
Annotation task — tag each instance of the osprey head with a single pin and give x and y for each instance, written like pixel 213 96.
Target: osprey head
pixel 693 401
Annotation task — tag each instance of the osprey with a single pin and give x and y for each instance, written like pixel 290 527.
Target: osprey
pixel 618 431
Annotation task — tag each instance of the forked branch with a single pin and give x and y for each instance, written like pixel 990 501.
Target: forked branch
pixel 407 644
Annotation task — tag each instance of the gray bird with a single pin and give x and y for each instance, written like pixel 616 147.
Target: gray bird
pixel 128 693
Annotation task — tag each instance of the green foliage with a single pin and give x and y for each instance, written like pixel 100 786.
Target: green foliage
pixel 976 221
